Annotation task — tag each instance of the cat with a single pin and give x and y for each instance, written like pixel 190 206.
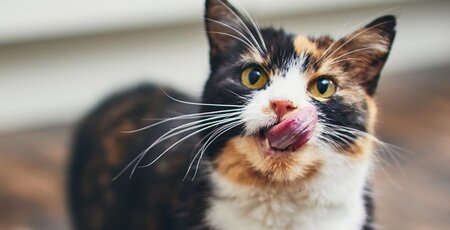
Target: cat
pixel 282 137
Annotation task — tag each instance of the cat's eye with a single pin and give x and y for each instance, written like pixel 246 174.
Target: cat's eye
pixel 322 87
pixel 254 78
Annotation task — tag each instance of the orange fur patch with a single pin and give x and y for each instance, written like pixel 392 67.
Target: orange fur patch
pixel 358 150
pixel 304 45
pixel 373 111
pixel 242 162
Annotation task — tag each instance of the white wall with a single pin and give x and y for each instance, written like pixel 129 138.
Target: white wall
pixel 24 20
pixel 54 77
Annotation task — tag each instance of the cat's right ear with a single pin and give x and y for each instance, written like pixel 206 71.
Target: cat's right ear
pixel 223 25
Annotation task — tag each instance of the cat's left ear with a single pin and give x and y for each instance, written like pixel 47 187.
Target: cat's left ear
pixel 225 27
pixel 367 50
pixel 222 22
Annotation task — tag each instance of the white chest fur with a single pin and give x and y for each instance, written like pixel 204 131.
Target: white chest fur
pixel 333 200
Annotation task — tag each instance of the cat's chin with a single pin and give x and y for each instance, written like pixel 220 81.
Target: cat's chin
pixel 247 160
pixel 268 151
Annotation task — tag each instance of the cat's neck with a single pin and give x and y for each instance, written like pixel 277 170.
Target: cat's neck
pixel 309 206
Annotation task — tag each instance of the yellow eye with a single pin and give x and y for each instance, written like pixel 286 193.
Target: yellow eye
pixel 254 78
pixel 322 87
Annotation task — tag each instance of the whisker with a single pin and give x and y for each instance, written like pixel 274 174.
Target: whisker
pixel 193 126
pixel 184 138
pixel 386 173
pixel 238 32
pixel 246 98
pixel 362 133
pixel 128 166
pixel 340 36
pixel 217 114
pixel 194 115
pixel 329 141
pixel 341 138
pixel 214 137
pixel 237 38
pixel 345 59
pixel 351 52
pixel 197 153
pixel 376 15
pixel 243 24
pixel 383 146
pixel 393 156
pixel 355 36
pixel 198 103
pixel 166 136
pixel 254 24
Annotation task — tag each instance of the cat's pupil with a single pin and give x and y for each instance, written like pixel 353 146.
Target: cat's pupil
pixel 254 76
pixel 322 85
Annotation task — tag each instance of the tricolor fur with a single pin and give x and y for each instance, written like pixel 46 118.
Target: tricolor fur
pixel 324 184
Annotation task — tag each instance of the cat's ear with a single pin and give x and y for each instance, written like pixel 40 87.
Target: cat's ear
pixel 368 48
pixel 224 25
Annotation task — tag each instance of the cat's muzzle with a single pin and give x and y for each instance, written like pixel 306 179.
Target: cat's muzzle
pixel 292 132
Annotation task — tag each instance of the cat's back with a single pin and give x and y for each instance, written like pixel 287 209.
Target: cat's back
pixel 101 150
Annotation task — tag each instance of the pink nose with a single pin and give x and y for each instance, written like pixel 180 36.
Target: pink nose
pixel 282 107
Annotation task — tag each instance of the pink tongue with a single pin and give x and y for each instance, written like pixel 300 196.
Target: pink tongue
pixel 293 132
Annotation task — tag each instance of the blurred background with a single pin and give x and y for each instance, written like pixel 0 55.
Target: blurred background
pixel 59 58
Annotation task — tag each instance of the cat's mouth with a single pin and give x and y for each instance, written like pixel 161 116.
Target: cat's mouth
pixel 291 133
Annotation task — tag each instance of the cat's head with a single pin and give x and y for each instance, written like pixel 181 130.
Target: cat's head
pixel 296 104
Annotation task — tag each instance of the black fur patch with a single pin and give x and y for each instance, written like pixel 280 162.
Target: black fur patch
pixel 369 206
pixel 336 112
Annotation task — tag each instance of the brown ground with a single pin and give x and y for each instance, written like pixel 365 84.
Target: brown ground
pixel 411 194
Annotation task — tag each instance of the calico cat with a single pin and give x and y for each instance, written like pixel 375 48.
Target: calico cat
pixel 281 139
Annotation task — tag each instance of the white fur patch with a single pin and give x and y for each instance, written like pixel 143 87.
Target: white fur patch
pixel 292 86
pixel 331 200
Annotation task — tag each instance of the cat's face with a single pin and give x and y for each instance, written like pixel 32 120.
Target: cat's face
pixel 300 103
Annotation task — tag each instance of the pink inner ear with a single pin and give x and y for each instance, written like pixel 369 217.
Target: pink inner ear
pixel 295 131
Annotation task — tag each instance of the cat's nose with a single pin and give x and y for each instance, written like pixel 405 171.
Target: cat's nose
pixel 282 107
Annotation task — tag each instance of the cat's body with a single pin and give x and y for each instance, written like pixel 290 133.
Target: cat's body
pixel 287 122
pixel 102 150
pixel 158 198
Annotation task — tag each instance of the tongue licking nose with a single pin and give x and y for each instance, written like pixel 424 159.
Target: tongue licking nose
pixel 293 132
